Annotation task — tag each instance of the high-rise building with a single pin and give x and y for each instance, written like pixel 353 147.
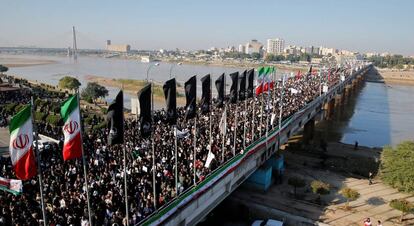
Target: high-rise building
pixel 254 47
pixel 275 46
pixel 117 48
pixel 242 48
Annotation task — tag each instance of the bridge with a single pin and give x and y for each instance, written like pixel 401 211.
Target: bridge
pixel 194 204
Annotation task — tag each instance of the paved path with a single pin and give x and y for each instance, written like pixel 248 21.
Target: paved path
pixel 373 202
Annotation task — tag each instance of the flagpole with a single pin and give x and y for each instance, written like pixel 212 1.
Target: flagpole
pixel 225 128
pixel 261 112
pixel 153 149
pixel 39 169
pixel 84 162
pixel 175 159
pixel 125 168
pixel 210 108
pixel 195 149
pixel 281 108
pixel 224 133
pixel 235 131
pixel 245 120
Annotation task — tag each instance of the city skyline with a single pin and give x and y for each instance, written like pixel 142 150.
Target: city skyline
pixel 368 26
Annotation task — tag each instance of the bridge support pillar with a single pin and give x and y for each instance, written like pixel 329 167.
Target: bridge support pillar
pixel 308 131
pixel 338 99
pixel 348 89
pixel 329 108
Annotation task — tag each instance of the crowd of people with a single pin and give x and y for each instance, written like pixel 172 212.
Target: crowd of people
pixel 63 182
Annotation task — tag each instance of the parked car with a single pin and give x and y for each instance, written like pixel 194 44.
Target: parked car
pixel 268 222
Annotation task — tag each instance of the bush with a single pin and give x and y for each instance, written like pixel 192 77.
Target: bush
pixel 397 166
pixel 53 119
pixel 319 187
pixel 296 182
pixel 39 116
pixel 99 126
pixel 402 205
pixel 68 82
pixel 10 108
pixel 350 195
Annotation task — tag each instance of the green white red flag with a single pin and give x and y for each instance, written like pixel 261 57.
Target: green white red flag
pixel 72 147
pixel 21 140
pixel 13 186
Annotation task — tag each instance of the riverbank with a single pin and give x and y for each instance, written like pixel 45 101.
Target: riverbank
pixel 132 86
pixel 244 64
pixel 391 76
pixel 11 62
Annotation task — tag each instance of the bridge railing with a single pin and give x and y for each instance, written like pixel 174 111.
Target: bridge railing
pixel 230 165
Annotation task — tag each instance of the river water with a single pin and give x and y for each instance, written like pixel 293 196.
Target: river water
pixel 375 114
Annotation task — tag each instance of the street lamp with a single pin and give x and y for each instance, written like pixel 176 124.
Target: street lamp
pixel 149 67
pixel 173 65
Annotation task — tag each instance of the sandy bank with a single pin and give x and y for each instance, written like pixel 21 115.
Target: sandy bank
pixel 23 62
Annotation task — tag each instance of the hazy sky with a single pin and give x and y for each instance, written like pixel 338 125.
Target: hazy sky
pixel 358 25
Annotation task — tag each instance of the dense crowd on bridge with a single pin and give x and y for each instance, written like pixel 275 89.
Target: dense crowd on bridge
pixel 64 190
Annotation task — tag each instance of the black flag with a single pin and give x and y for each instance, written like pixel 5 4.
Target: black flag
pixel 310 70
pixel 250 87
pixel 220 83
pixel 144 97
pixel 234 87
pixel 206 93
pixel 190 96
pixel 242 86
pixel 115 118
pixel 170 94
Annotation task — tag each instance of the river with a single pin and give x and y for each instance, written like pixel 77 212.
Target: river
pixel 375 114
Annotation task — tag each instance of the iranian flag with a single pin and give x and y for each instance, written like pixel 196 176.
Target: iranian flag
pixel 21 140
pixel 261 73
pixel 72 147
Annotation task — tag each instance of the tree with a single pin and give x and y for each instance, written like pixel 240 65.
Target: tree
pixel 256 56
pixel 94 91
pixel 320 188
pixel 402 205
pixel 3 69
pixel 350 195
pixel 69 82
pixel 397 166
pixel 296 182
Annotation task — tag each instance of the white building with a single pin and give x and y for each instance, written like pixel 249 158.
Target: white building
pixel 326 51
pixel 275 46
pixel 254 47
pixel 242 48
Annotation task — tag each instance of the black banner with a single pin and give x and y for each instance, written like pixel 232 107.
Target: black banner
pixel 250 86
pixel 220 84
pixel 190 96
pixel 145 119
pixel 234 87
pixel 170 94
pixel 115 118
pixel 242 86
pixel 206 94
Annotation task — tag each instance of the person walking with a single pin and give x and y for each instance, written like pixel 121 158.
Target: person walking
pixel 379 223
pixel 367 222
pixel 369 178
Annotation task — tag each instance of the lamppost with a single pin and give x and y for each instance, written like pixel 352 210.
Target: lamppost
pixel 173 65
pixel 149 68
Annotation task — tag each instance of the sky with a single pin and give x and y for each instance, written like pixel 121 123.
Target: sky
pixel 356 25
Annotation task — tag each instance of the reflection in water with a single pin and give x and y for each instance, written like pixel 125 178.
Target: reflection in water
pixel 374 114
